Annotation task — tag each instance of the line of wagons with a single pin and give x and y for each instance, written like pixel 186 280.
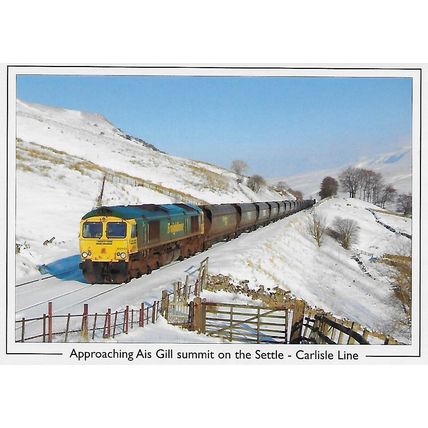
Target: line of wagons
pixel 245 217
pixel 122 242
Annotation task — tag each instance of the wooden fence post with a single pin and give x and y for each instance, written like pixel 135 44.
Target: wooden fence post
pixel 23 331
pixel 174 292
pixel 186 289
pixel 164 304
pixel 50 322
pixel 351 340
pixel 126 319
pixel 67 327
pixel 190 320
pixel 114 324
pixel 44 328
pixel 95 323
pixel 84 328
pixel 142 315
pixel 154 312
pixel 297 321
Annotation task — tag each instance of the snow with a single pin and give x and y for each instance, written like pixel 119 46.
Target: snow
pixel 53 194
pixel 162 332
pixel 398 222
pixel 395 167
pixel 56 185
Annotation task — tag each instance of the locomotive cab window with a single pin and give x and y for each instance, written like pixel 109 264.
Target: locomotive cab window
pixel 92 230
pixel 116 230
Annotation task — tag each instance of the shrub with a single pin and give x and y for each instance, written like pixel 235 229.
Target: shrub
pixel 317 228
pixel 255 182
pixel 346 231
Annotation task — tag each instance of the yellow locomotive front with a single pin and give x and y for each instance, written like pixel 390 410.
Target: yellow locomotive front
pixel 106 243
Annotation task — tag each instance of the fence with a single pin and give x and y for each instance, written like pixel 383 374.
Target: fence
pixel 123 178
pixel 293 323
pixel 321 328
pixel 57 328
pixel 174 306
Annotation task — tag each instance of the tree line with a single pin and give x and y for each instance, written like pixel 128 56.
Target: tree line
pixel 255 182
pixel 367 185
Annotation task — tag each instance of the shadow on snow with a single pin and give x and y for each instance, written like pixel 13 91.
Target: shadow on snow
pixel 66 269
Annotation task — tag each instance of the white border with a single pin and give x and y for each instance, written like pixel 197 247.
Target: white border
pixel 237 70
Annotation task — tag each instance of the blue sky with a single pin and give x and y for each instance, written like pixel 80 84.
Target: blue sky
pixel 279 125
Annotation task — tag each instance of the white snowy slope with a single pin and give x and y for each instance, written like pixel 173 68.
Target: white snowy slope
pixel 281 254
pixel 396 168
pixel 61 158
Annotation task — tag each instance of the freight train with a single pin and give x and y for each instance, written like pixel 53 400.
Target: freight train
pixel 119 243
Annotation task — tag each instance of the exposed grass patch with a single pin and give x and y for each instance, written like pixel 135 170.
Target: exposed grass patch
pixel 211 180
pixel 84 166
pixel 24 167
pixel 391 213
pixel 401 280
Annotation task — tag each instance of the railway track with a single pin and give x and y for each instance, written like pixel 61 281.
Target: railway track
pixel 44 278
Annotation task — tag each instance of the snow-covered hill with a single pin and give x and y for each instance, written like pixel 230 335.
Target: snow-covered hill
pixel 396 168
pixel 62 157
pixel 282 254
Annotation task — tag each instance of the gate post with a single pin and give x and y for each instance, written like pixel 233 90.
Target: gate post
pixel 297 322
pixel 198 319
pixel 164 304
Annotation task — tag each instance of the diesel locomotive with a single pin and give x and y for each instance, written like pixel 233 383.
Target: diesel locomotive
pixel 119 243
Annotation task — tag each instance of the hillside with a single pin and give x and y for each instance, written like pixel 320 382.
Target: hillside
pixel 62 157
pixel 396 168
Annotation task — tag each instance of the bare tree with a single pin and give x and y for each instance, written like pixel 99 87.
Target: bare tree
pixel 387 195
pixel 404 203
pixel 281 186
pixel 317 227
pixel 350 180
pixel 296 193
pixel 239 166
pixel 377 187
pixel 255 182
pixel 346 231
pixel 329 187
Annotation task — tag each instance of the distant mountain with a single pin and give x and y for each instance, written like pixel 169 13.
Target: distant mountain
pixel 396 168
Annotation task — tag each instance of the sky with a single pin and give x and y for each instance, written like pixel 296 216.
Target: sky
pixel 280 126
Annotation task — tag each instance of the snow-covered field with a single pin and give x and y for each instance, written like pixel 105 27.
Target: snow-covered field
pixel 55 187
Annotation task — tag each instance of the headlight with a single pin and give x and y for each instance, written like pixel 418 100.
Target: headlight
pixel 85 254
pixel 122 255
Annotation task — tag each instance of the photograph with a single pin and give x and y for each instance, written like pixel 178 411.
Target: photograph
pixel 214 205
